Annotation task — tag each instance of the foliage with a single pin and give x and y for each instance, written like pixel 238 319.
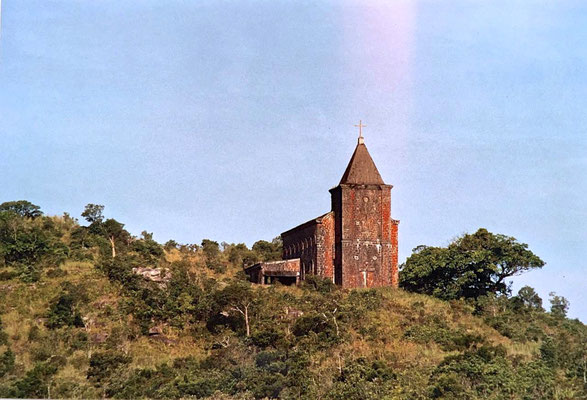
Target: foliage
pixel 558 305
pixel 268 251
pixel 28 241
pixel 104 364
pixel 35 382
pixel 3 335
pixel 321 285
pixel 481 372
pixel 22 208
pixel 93 213
pixel 6 362
pixel 202 331
pixel 530 298
pixel 363 379
pixel 62 311
pixel 473 265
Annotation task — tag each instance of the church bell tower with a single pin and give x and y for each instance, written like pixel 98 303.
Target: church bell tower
pixel 365 242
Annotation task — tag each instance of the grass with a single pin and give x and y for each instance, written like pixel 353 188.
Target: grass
pixel 381 334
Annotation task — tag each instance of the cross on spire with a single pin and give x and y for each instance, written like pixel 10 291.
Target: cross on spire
pixel 361 126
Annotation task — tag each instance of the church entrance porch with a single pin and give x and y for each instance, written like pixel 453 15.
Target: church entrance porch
pixel 286 272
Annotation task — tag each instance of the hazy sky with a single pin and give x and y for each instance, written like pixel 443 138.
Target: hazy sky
pixel 230 120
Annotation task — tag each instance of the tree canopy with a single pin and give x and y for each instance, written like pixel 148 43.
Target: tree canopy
pixel 22 208
pixel 473 265
pixel 182 321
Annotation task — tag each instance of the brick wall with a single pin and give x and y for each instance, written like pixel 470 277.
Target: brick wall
pixel 394 254
pixel 325 247
pixel 364 249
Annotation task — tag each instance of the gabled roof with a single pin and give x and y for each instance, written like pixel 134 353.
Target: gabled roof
pixel 361 168
pixel 314 221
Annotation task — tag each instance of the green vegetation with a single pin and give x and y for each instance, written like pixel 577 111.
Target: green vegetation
pixel 93 311
pixel 471 266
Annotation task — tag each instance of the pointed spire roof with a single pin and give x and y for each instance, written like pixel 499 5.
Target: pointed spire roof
pixel 361 168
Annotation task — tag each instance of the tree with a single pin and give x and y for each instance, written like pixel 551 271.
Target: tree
pixel 93 213
pixel 240 255
pixel 268 251
pixel 148 249
pixel 114 230
pixel 530 298
pixel 104 364
pixel 238 297
pixel 559 305
pixel 6 362
pixel 210 249
pixel 62 312
pixel 170 244
pixel 29 242
pixel 22 208
pixel 471 266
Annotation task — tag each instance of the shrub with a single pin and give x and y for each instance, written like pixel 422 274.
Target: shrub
pixel 479 372
pixel 319 284
pixel 56 273
pixel 104 364
pixel 313 323
pixel 6 362
pixel 3 335
pixel 35 382
pixel 6 275
pixel 363 379
pixel 62 313
pixel 447 339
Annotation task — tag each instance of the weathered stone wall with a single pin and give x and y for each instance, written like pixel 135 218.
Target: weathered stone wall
pixel 394 254
pixel 325 247
pixel 300 242
pixel 364 250
pixel 313 243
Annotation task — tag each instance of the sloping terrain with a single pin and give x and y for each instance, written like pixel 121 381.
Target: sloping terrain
pixel 180 321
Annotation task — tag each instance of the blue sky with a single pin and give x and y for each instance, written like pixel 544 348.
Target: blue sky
pixel 230 120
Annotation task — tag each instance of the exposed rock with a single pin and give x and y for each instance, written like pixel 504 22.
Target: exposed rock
pixel 155 330
pixel 158 275
pixel 98 338
pixel 292 313
pixel 163 339
pixel 102 302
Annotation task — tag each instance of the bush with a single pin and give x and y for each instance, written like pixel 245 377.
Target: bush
pixel 6 275
pixel 3 335
pixel 62 313
pixel 363 379
pixel 56 273
pixel 265 338
pixel 476 373
pixel 447 339
pixel 28 273
pixel 313 323
pixel 319 284
pixel 35 382
pixel 6 362
pixel 104 364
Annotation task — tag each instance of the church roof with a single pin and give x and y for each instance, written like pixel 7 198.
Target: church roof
pixel 361 168
pixel 314 221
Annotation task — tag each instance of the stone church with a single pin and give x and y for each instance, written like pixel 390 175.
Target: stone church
pixel 355 244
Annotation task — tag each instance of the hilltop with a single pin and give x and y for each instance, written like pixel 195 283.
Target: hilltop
pixel 91 312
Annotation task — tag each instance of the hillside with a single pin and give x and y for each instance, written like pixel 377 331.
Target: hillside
pixel 77 322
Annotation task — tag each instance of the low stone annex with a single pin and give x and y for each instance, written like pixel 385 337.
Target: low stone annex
pixel 355 244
